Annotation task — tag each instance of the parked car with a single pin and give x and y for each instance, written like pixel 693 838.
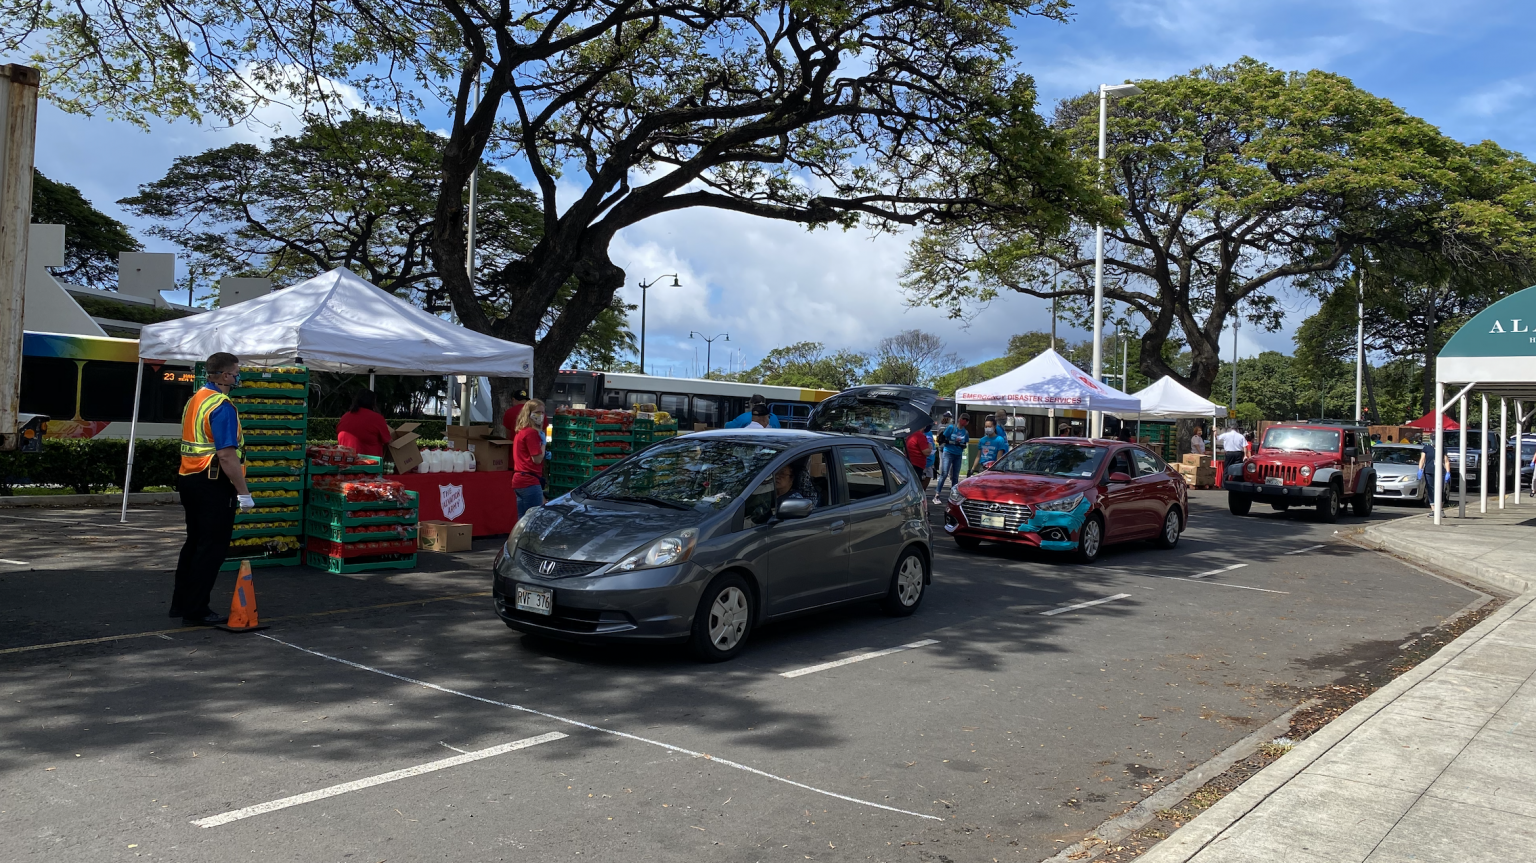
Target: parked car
pixel 1319 464
pixel 887 412
pixel 700 539
pixel 1072 495
pixel 1397 473
pixel 1527 453
pixel 1477 444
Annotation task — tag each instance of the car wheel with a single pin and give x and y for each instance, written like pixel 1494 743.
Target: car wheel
pixel 1171 527
pixel 1328 505
pixel 1239 503
pixel 1363 504
pixel 1090 538
pixel 723 620
pixel 968 543
pixel 907 584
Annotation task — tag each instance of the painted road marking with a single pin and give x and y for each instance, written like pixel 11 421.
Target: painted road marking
pixel 588 726
pixel 1220 584
pixel 16 562
pixel 1219 571
pixel 1307 549
pixel 1067 608
pixel 391 776
pixel 812 669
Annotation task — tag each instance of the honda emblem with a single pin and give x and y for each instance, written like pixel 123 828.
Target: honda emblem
pixel 546 567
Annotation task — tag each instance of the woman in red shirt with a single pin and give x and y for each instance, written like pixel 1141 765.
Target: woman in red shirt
pixel 363 428
pixel 528 457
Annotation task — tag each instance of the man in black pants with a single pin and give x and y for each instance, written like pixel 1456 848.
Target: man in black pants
pixel 212 485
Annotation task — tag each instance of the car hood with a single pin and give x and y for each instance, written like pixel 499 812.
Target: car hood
pixel 1020 487
pixel 599 530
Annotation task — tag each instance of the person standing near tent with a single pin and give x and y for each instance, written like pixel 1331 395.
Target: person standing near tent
pixel 919 449
pixel 528 457
pixel 363 428
pixel 212 486
pixel 1197 441
pixel 509 417
pixel 1233 444
pixel 956 438
pixel 989 447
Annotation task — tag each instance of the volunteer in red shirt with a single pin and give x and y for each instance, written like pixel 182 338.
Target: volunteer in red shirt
pixel 528 457
pixel 509 418
pixel 918 450
pixel 363 428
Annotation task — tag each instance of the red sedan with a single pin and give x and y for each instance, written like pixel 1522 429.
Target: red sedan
pixel 1071 494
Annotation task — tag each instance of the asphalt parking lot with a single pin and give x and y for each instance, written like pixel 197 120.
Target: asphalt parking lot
pixel 392 716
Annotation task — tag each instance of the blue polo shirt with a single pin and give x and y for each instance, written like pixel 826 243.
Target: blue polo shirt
pixel 225 422
pixel 956 439
pixel 990 449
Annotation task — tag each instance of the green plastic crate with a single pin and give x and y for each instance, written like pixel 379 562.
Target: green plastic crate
pixel 568 421
pixel 338 533
pixel 297 424
pixel 359 469
pixel 267 393
pixel 570 475
pixel 338 501
pixel 359 564
pixel 294 469
pixel 340 518
pixel 609 426
pixel 294 529
pixel 558 445
pixel 270 410
pixel 289 497
pixel 233 563
pixel 277 483
pixel 573 434
pixel 293 436
pixel 289 451
pixel 253 515
pixel 265 374
pixel 570 457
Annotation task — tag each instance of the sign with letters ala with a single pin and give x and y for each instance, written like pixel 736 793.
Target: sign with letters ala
pixel 1505 329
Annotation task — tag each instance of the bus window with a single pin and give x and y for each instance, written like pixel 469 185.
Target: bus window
pixel 106 391
pixel 676 405
pixel 48 386
pixel 633 398
pixel 706 411
pixel 614 399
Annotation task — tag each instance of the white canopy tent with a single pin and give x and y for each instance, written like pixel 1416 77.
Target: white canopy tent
pixel 334 322
pixel 1048 381
pixel 1167 399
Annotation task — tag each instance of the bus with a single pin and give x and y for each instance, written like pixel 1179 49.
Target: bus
pixel 85 385
pixel 694 402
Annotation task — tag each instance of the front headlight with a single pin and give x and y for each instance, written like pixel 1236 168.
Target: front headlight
pixel 955 497
pixel 672 549
pixel 1306 471
pixel 1250 467
pixel 1065 504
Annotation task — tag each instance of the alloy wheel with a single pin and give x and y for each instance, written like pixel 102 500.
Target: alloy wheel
pixel 1171 527
pixel 728 618
pixel 1091 538
pixel 909 581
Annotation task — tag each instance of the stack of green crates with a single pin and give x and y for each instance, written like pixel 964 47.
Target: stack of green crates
pixel 1162 439
pixel 570 453
pixel 334 519
pixel 604 457
pixel 274 464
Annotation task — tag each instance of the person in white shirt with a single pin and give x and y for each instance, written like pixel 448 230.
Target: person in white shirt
pixel 759 417
pixel 1197 441
pixel 1232 445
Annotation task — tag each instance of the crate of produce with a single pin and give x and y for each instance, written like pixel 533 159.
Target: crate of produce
pixel 293 374
pixel 274 483
pixel 270 406
pixel 362 548
pixel 569 474
pixel 337 500
pixel 274 467
pixel 566 456
pixel 342 518
pixel 269 512
pixel 568 420
pixel 359 533
pixel 291 559
pixel 277 497
pixel 559 445
pixel 268 528
pixel 370 563
pixel 375 469
pixel 268 437
pixel 261 389
pixel 297 425
pixel 607 450
pixel 611 428
pixel 267 545
pixel 575 434
pixel 266 450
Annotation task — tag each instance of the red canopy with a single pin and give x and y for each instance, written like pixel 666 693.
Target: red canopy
pixel 1427 423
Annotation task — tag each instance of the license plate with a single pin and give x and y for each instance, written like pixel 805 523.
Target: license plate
pixel 1274 480
pixel 539 600
pixel 993 521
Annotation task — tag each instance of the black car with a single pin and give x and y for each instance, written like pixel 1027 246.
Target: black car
pixel 701 538
pixel 886 412
pixel 1477 445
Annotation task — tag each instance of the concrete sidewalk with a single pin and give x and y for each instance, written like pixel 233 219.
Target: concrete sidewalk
pixel 1439 765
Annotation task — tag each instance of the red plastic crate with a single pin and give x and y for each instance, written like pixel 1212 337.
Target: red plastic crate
pixel 360 549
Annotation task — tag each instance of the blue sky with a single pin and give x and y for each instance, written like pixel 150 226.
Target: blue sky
pixel 1463 66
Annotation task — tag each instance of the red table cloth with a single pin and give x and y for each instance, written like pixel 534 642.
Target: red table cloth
pixel 489 504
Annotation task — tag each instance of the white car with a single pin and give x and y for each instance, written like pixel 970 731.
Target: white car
pixel 1397 473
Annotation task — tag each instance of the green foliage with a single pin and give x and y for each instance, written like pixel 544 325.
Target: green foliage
pixel 104 307
pixel 92 239
pixel 90 465
pixel 807 364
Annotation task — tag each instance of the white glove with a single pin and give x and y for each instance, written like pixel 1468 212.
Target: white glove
pixel 246 501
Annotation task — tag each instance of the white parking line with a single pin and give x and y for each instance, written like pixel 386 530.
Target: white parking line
pixel 1221 584
pixel 579 724
pixel 812 669
pixel 16 562
pixel 1307 549
pixel 1219 571
pixel 359 784
pixel 1067 608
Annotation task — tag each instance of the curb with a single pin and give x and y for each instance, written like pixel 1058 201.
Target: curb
pixel 22 501
pixel 1207 829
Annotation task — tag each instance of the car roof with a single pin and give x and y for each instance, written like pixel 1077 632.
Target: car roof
pixel 794 436
pixel 1317 426
pixel 1389 444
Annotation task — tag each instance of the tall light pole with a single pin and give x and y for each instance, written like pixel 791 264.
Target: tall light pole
pixel 1359 338
pixel 643 288
pixel 1096 420
pixel 710 346
pixel 1237 323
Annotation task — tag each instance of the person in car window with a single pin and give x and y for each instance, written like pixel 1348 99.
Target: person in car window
pixel 791 483
pixel 990 447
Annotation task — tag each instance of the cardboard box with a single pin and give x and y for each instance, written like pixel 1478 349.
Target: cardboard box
pixel 490 453
pixel 443 536
pixel 402 448
pixel 1196 460
pixel 1198 475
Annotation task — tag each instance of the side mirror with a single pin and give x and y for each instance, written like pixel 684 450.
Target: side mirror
pixel 796 507
pixel 1119 477
pixel 1351 452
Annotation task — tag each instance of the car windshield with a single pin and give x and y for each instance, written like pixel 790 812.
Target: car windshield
pixel 686 473
pixel 1527 451
pixel 1395 455
pixel 1052 459
pixel 851 415
pixel 1316 440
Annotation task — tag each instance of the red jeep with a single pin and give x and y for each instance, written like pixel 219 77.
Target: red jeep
pixel 1317 463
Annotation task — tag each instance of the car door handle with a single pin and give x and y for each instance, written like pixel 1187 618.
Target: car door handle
pixel 836 526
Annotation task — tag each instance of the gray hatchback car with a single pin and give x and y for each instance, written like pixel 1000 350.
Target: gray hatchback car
pixel 701 538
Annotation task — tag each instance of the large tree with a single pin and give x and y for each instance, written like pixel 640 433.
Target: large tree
pixel 92 239
pixel 1236 183
pixel 913 358
pixel 833 113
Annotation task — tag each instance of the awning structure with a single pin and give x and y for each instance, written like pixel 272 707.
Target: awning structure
pixel 1048 381
pixel 1427 422
pixel 1167 399
pixel 1492 355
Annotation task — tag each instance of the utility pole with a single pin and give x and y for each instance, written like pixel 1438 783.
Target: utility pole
pixel 1359 339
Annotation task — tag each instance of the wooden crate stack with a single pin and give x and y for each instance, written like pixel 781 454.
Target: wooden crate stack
pixel 1197 471
pixel 273 404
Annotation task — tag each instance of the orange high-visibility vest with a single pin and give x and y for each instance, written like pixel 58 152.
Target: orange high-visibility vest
pixel 197 449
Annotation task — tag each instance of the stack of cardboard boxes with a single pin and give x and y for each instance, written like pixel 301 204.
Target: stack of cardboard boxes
pixel 1197 471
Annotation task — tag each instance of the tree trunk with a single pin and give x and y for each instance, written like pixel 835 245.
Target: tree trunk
pixel 1370 394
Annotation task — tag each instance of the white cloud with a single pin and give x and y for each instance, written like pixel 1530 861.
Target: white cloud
pixel 1499 98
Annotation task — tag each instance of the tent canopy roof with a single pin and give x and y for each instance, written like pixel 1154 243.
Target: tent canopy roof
pixel 1427 423
pixel 337 322
pixel 1496 349
pixel 1048 381
pixel 1166 398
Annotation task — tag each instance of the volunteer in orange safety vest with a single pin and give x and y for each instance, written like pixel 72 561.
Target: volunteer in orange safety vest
pixel 212 486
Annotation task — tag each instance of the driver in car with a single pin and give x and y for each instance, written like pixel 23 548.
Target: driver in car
pixel 790 483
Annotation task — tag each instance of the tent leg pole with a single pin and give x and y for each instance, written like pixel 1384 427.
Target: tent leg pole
pixel 133 436
pixel 1519 422
pixel 1482 463
pixel 1461 467
pixel 1503 447
pixel 1432 471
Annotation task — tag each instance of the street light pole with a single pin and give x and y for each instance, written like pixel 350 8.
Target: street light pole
pixel 710 345
pixel 643 288
pixel 1096 419
pixel 1359 340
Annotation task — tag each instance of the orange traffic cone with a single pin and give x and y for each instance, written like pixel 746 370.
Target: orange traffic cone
pixel 242 606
